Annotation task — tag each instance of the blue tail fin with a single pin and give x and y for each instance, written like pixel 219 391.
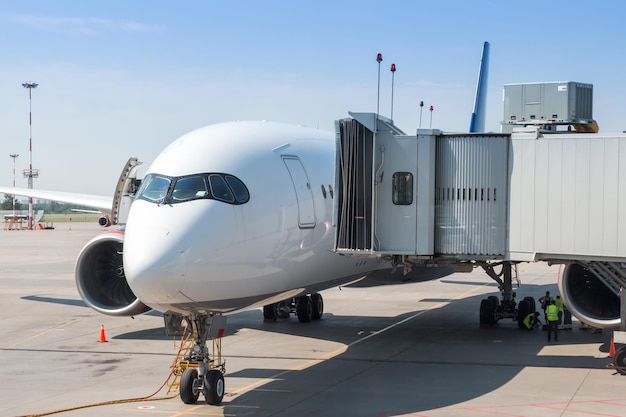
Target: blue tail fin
pixel 477 122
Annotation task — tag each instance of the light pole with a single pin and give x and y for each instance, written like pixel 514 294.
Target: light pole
pixel 379 59
pixel 393 74
pixel 14 156
pixel 30 173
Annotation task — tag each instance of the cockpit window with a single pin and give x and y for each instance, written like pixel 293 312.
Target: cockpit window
pixel 189 188
pixel 162 189
pixel 220 189
pixel 240 190
pixel 154 188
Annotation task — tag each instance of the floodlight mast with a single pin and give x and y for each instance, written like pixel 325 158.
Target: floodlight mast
pixel 30 173
pixel 14 156
pixel 393 74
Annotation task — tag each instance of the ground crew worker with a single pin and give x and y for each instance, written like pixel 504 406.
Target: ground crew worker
pixel 560 309
pixel 552 316
pixel 545 302
pixel 531 320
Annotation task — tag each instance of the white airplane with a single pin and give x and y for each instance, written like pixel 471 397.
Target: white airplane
pixel 228 217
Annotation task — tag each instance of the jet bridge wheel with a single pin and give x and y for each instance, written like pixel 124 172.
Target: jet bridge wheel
pixel 531 302
pixel 213 388
pixel 487 312
pixel 189 390
pixel 523 309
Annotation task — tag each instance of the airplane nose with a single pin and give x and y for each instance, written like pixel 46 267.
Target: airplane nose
pixel 155 264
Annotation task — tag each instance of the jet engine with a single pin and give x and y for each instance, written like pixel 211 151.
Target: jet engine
pixel 105 221
pixel 100 277
pixel 588 297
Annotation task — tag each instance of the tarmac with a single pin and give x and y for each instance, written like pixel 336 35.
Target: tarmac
pixel 411 349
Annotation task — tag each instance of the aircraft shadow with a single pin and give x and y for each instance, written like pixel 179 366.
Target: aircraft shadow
pixel 438 359
pixel 396 276
pixel 63 301
pixel 434 359
pixel 71 302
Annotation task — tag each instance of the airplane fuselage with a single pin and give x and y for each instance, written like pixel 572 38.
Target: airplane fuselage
pixel 221 252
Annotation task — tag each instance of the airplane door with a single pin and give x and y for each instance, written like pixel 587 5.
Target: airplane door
pixel 304 194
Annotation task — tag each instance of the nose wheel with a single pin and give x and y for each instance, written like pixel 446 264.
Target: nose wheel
pixel 201 370
pixel 213 387
pixel 189 388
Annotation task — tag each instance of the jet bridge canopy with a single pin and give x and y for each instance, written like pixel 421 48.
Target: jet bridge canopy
pixel 524 196
pixel 424 194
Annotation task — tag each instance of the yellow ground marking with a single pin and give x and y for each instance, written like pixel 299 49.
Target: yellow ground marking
pixel 60 326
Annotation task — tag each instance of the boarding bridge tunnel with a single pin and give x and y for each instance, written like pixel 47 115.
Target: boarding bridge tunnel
pixel 487 199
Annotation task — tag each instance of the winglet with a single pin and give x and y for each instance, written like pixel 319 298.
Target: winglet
pixel 477 122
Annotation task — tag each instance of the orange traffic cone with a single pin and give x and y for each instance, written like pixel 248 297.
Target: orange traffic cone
pixel 103 338
pixel 612 349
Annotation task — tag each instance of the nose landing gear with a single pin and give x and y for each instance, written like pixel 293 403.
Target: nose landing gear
pixel 201 370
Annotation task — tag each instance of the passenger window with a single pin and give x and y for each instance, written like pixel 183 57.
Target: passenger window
pixel 402 188
pixel 241 192
pixel 189 188
pixel 220 189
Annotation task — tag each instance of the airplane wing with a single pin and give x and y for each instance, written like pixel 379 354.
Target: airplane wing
pixel 101 203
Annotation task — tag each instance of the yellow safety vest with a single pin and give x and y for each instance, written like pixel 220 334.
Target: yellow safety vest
pixel 559 304
pixel 529 320
pixel 552 313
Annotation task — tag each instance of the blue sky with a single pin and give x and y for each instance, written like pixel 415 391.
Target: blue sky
pixel 121 78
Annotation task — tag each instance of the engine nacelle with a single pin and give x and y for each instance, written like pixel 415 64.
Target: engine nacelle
pixel 100 277
pixel 586 296
pixel 104 221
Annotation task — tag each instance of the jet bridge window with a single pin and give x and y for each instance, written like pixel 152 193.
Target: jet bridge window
pixel 402 188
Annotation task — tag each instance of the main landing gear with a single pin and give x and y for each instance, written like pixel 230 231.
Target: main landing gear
pixel 492 309
pixel 306 307
pixel 201 370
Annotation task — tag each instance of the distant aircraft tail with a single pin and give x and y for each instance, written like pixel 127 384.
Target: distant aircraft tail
pixel 477 122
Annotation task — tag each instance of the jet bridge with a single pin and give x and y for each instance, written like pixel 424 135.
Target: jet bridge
pixel 426 195
pixel 488 199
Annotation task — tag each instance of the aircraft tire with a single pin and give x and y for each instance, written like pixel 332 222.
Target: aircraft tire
pixel 619 360
pixel 318 306
pixel 304 309
pixel 213 388
pixel 531 301
pixel 495 299
pixel 189 392
pixel 523 308
pixel 487 312
pixel 270 312
pixel 283 309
